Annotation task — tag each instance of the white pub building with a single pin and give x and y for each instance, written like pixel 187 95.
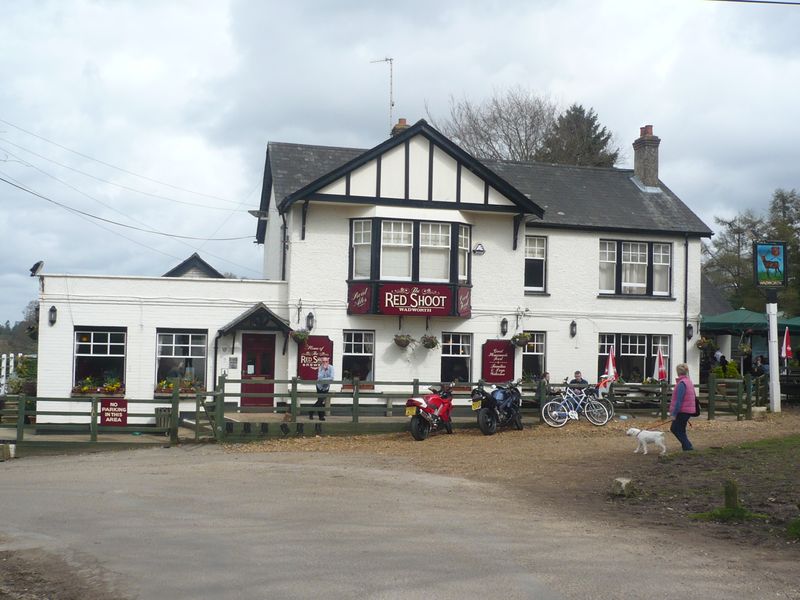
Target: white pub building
pixel 412 237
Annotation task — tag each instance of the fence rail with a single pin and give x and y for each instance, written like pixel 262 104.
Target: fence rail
pixel 212 410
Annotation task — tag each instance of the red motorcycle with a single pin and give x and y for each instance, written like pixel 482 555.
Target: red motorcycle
pixel 431 412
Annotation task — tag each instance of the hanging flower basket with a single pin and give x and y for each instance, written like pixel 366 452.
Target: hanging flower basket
pixel 521 339
pixel 403 340
pixel 300 335
pixel 429 341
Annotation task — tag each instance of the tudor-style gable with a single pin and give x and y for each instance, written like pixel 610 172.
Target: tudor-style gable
pixel 416 168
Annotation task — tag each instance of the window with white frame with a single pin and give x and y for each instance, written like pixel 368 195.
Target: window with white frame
pixel 635 268
pixel 662 261
pixel 463 253
pixel 362 249
pixel 456 357
pixel 434 251
pixel 358 355
pixel 533 364
pixel 99 356
pixel 182 355
pixel 658 342
pixel 608 266
pixel 535 262
pixel 397 244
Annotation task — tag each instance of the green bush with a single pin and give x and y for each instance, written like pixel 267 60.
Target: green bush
pixel 793 529
pixel 731 372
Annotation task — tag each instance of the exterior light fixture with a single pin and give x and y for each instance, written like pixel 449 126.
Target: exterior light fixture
pixel 310 321
pixel 479 250
pixel 503 326
pixel 689 331
pixel 52 315
pixel 573 329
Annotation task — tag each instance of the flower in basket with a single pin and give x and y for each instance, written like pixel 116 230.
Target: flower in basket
pixel 403 339
pixel 165 385
pixel 429 341
pixel 745 348
pixel 300 335
pixel 521 339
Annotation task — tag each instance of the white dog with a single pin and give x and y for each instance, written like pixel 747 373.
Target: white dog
pixel 644 437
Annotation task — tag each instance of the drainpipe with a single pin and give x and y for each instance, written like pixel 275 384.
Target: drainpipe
pixel 686 294
pixel 284 243
pixel 216 345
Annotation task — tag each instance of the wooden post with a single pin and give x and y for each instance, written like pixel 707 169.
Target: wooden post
pixel 356 392
pixel 415 388
pixel 293 399
pixel 739 399
pixel 712 396
pixel 20 418
pixel 174 415
pixel 93 420
pixel 219 409
pixel 664 403
pixel 197 400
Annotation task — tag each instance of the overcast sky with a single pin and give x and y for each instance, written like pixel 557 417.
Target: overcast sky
pixel 156 114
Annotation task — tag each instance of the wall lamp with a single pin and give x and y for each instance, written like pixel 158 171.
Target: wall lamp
pixel 52 315
pixel 689 331
pixel 479 250
pixel 573 329
pixel 503 326
pixel 310 321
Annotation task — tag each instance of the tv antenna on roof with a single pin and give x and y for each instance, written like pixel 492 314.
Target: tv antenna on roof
pixel 391 87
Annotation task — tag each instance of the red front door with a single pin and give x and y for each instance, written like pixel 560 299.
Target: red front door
pixel 258 361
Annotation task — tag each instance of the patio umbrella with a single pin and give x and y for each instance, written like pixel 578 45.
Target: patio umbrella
pixel 786 350
pixel 660 370
pixel 611 366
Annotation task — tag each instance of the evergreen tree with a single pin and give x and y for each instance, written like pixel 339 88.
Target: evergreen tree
pixel 578 139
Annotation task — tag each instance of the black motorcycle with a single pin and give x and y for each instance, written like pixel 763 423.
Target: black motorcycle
pixel 499 408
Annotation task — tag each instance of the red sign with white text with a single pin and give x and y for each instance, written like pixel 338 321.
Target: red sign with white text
pixel 498 361
pixel 113 411
pixel 464 306
pixel 415 299
pixel 359 298
pixel 308 358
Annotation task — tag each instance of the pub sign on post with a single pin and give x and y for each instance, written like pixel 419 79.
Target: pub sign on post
pixel 769 264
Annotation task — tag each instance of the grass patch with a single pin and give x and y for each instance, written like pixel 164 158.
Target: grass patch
pixel 793 529
pixel 728 515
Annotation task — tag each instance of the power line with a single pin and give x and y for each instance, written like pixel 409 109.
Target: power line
pixel 97 160
pixel 119 185
pixel 153 231
pixel 785 3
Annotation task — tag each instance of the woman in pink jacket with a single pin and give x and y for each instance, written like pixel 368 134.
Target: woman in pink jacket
pixel 683 405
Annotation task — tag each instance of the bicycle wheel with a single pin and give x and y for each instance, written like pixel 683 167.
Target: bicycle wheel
pixel 602 399
pixel 554 414
pixel 596 413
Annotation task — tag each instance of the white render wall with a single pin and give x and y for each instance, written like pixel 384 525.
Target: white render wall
pixel 143 305
pixel 318 273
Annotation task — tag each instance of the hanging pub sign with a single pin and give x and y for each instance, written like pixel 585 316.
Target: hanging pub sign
pixel 415 299
pixel 464 302
pixel 309 355
pixel 113 411
pixel 769 264
pixel 498 361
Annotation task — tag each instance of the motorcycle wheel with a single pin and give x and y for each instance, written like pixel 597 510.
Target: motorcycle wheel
pixel 420 428
pixel 448 427
pixel 517 420
pixel 487 421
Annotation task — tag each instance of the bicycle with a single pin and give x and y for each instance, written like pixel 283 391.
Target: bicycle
pixel 572 404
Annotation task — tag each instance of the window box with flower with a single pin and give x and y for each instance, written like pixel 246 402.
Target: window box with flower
pixel 89 386
pixel 186 387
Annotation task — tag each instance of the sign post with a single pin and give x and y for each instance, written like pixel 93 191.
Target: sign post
pixel 769 272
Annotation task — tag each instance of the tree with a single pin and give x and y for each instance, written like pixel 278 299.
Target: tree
pixel 578 139
pixel 508 126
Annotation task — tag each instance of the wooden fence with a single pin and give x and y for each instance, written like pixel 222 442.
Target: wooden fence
pixel 359 408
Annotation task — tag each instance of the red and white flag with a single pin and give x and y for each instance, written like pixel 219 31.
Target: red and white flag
pixel 611 366
pixel 660 370
pixel 786 350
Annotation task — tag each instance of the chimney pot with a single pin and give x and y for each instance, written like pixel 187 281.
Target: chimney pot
pixel 401 126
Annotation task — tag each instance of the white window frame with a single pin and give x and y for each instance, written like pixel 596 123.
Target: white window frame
pixel 362 242
pixel 463 253
pixel 608 256
pixel 634 254
pixel 196 345
pixel 99 348
pixel 662 258
pixel 537 346
pixel 536 249
pixel 458 345
pixel 400 235
pixel 352 346
pixel 434 238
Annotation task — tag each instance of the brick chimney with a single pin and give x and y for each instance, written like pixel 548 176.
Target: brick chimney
pixel 400 127
pixel 645 157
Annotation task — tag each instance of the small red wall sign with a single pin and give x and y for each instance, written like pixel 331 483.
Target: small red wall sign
pixel 308 358
pixel 359 298
pixel 498 361
pixel 113 411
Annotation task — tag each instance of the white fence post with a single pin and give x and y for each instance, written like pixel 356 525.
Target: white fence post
pixel 7 369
